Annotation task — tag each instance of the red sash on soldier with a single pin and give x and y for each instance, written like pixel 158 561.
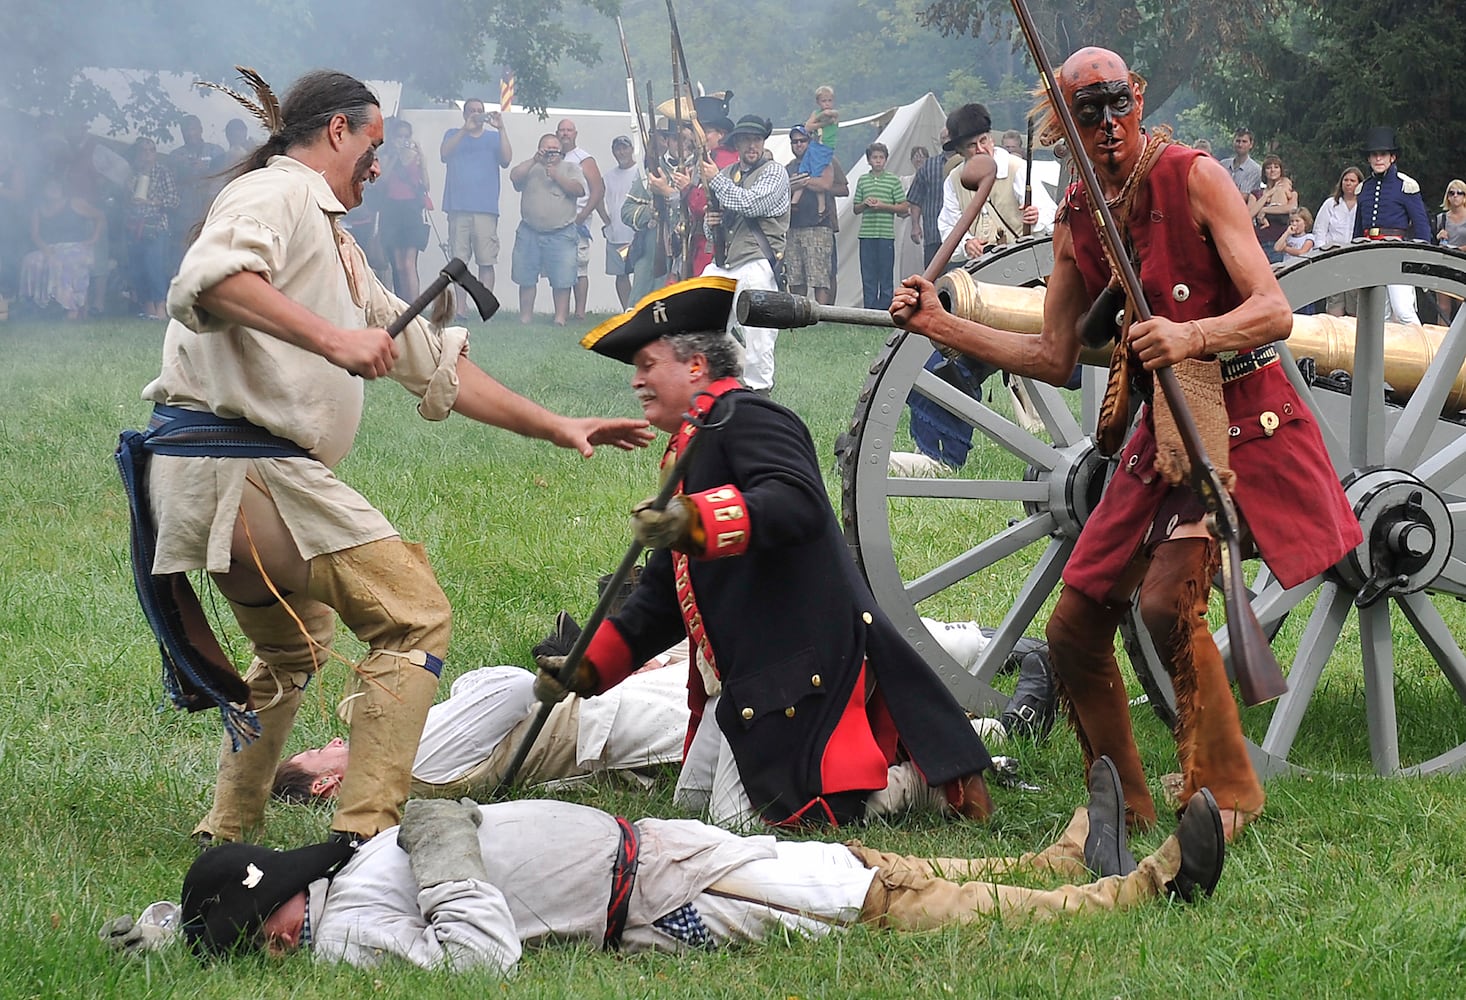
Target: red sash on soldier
pixel 702 404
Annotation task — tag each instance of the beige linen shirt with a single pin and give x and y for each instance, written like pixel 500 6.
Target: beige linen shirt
pixel 282 223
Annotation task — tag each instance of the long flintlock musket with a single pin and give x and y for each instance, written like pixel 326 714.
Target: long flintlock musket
pixel 641 125
pixel 679 63
pixel 1259 677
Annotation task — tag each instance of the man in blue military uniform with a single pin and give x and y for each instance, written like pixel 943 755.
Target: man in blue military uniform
pixel 1390 208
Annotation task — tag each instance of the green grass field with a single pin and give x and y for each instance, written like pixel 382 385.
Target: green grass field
pixel 1349 887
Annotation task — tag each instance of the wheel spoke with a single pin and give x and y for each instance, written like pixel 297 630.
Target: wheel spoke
pixel 1379 687
pixel 1452 574
pixel 1318 641
pixel 1437 637
pixel 1367 395
pixel 1053 408
pixel 1091 394
pixel 1338 453
pixel 1036 589
pixel 1412 432
pixel 997 427
pixel 1271 604
pixel 1000 546
pixel 969 489
pixel 1441 470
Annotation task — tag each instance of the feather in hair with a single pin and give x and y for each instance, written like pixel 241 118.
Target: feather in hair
pixel 267 111
pixel 269 103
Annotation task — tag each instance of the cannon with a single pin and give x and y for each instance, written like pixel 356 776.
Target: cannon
pixel 1388 401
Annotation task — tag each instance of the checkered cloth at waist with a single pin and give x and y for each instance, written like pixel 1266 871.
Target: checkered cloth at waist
pixel 685 925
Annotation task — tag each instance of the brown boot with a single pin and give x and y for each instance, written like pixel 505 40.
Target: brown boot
pixel 1209 741
pixel 969 796
pixel 1081 634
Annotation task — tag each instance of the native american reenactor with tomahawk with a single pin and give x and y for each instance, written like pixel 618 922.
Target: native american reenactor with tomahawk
pixel 1217 309
pixel 275 312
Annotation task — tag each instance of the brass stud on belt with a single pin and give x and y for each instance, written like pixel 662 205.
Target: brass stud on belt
pixel 1269 421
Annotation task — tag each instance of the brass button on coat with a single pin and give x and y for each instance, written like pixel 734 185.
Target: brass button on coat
pixel 747 715
pixel 866 617
pixel 789 712
pixel 815 681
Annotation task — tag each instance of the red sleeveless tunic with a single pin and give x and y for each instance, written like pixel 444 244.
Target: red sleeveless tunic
pixel 1300 518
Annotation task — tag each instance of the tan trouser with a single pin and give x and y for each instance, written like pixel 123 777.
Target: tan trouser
pixel 1064 856
pixel 387 595
pixel 906 895
pixel 552 756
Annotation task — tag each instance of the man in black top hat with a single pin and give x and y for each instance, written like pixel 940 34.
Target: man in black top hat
pixel 1391 208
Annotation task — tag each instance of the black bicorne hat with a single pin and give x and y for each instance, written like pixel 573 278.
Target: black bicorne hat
pixel 697 305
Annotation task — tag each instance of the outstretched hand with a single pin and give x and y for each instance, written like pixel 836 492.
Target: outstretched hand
pixel 585 434
pixel 914 304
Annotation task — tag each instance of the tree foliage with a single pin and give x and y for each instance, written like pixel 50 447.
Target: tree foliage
pixel 435 46
pixel 1309 85
pixel 1166 41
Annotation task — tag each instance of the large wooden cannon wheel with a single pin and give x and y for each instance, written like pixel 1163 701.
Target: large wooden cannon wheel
pixel 1376 637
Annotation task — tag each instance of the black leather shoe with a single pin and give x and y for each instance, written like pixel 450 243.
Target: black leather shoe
pixel 1105 850
pixel 1031 710
pixel 1203 848
pixel 561 639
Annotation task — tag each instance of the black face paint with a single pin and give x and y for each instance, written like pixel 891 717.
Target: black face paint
pixel 1101 103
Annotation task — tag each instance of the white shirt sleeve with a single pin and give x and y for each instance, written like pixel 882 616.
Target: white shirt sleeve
pixel 951 210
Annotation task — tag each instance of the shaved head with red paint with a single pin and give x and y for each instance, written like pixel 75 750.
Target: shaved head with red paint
pixel 1090 65
pixel 1105 99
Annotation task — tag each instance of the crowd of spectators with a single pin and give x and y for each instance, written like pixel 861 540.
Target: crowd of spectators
pixel 93 226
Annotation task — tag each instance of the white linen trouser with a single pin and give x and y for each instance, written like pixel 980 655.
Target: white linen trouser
pixel 758 341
